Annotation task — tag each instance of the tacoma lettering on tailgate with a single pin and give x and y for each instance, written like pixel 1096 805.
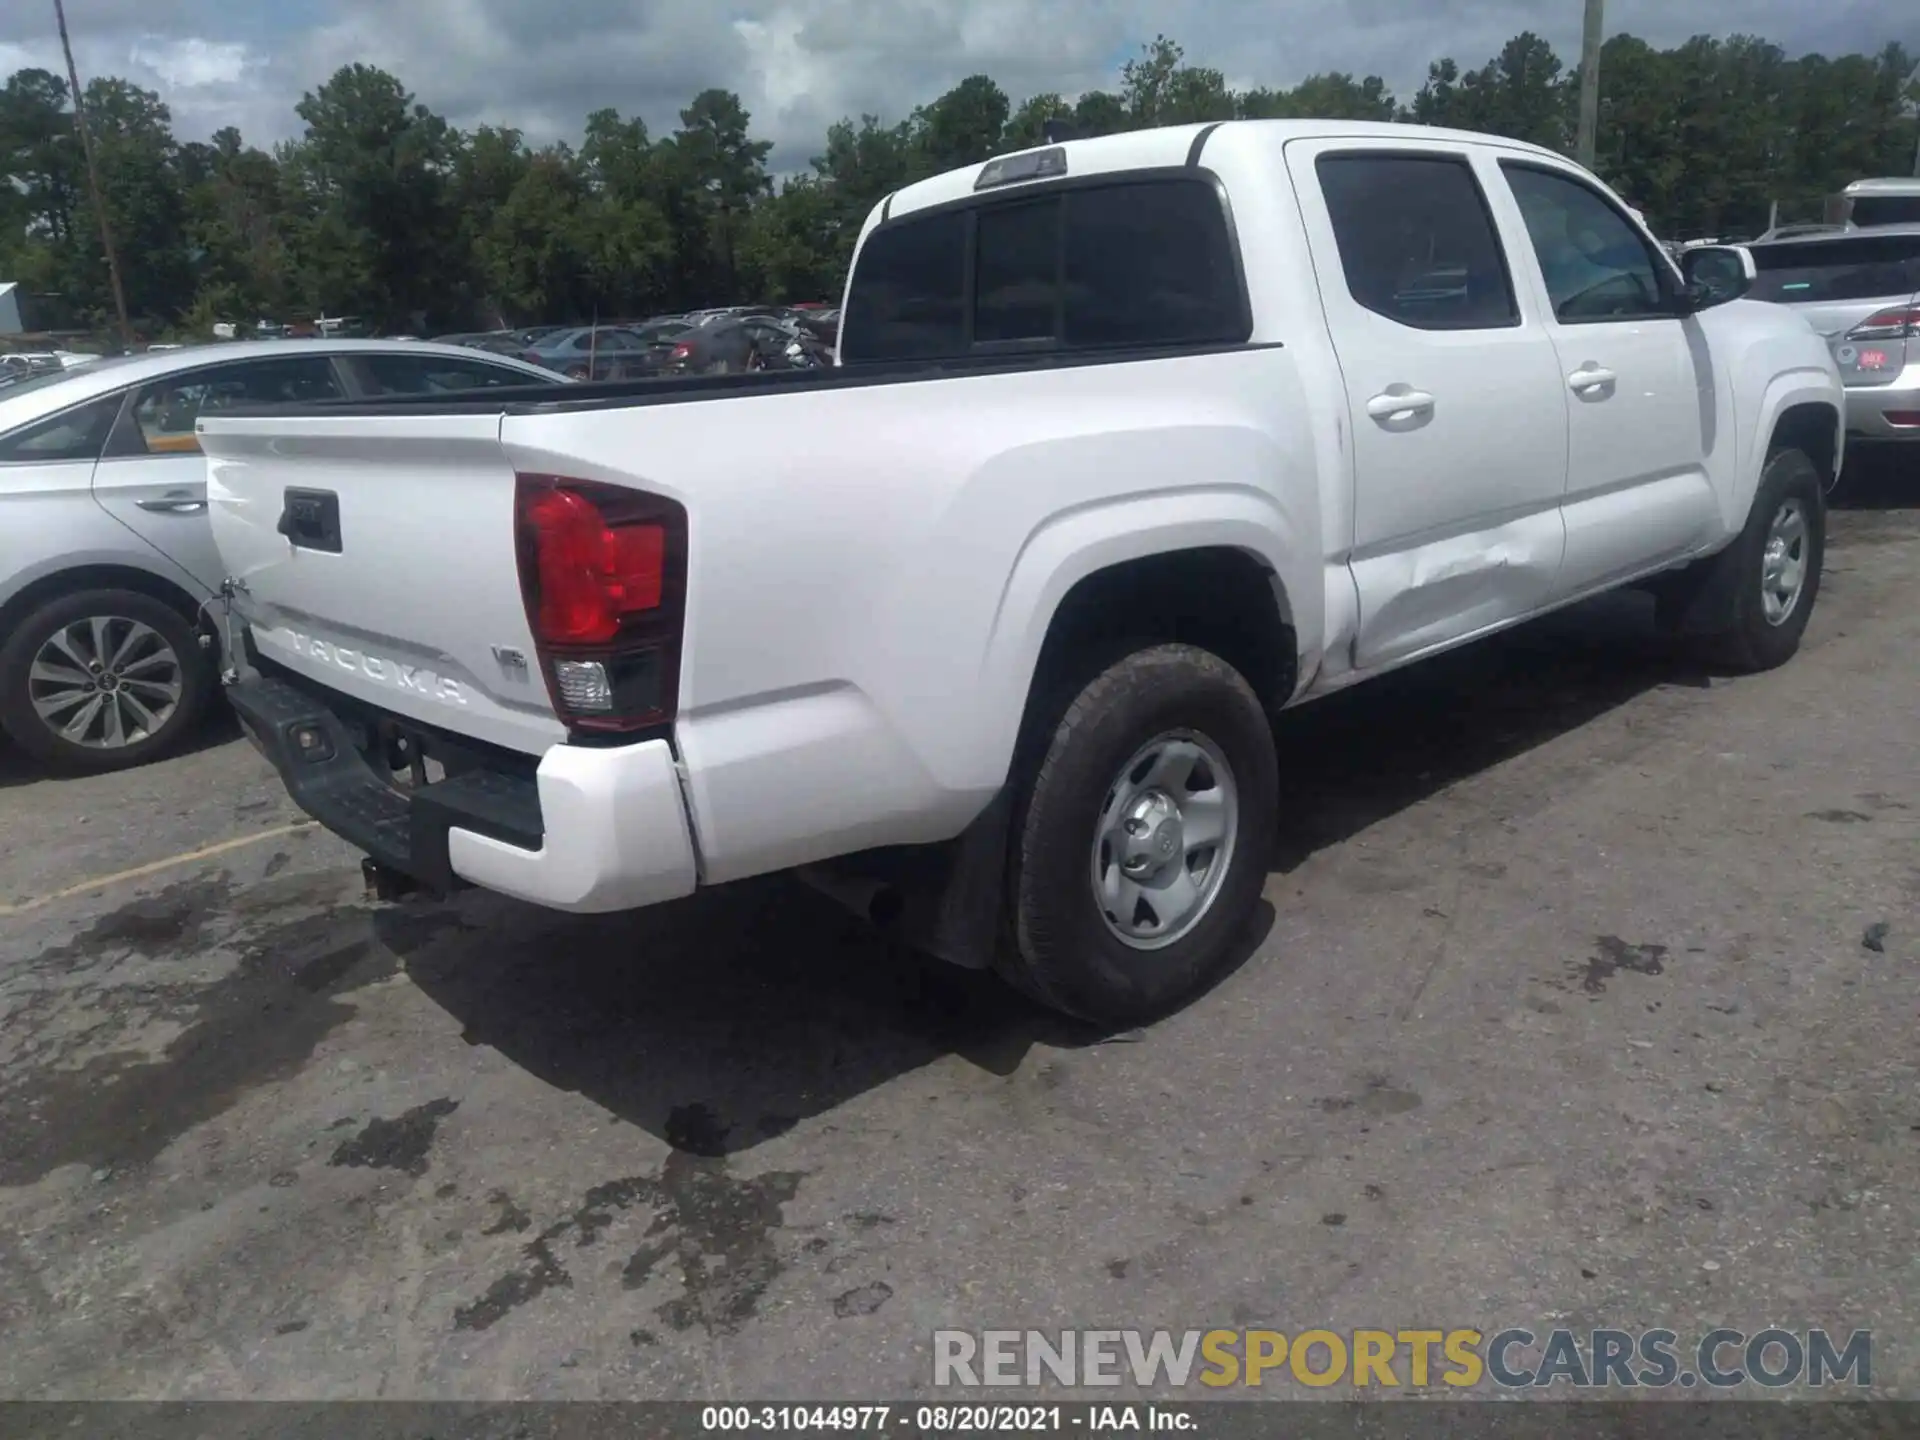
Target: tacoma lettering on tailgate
pixel 388 672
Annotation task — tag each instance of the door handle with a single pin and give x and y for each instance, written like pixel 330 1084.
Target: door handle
pixel 1590 377
pixel 1402 402
pixel 175 502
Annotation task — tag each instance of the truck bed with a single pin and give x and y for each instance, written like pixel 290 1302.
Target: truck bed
pixel 628 394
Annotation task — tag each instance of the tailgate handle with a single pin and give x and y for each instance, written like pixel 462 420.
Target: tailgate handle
pixel 311 520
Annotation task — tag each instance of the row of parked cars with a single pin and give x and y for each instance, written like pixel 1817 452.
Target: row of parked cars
pixel 702 342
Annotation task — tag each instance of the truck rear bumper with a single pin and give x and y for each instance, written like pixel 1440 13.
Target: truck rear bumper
pixel 589 830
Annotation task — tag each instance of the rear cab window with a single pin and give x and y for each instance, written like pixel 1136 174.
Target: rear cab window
pixel 1826 271
pixel 1108 262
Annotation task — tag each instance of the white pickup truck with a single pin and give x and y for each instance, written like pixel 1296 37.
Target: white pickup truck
pixel 1133 441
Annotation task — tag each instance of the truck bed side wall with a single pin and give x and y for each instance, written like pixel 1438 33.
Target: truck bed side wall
pixel 872 570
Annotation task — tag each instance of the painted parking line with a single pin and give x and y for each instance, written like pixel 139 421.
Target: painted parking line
pixel 154 867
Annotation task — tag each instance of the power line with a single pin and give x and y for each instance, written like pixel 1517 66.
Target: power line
pixel 93 178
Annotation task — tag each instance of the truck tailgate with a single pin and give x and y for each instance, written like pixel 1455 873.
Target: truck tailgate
pixel 377 557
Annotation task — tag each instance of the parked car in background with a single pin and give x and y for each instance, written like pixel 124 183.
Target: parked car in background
pixel 1797 230
pixel 51 359
pixel 586 352
pixel 23 365
pixel 1860 289
pixel 1893 200
pixel 1134 440
pixel 661 335
pixel 106 557
pixel 731 347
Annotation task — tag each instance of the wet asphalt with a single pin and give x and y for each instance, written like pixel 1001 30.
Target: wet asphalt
pixel 1585 994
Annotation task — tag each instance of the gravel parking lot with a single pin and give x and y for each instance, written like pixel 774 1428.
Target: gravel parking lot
pixel 1563 1013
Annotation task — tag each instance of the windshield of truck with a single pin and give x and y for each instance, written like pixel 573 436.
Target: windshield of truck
pixel 1851 267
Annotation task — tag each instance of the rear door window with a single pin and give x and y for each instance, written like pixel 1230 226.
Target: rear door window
pixel 1142 262
pixel 1417 243
pixel 1853 267
pixel 160 421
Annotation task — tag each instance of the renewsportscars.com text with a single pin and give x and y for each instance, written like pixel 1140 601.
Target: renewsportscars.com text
pixel 1513 1359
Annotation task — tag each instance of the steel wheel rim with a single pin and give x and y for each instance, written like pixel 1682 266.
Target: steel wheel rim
pixel 105 682
pixel 1783 562
pixel 1164 839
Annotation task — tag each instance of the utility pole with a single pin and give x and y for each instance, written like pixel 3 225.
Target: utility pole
pixel 1590 81
pixel 1913 85
pixel 93 179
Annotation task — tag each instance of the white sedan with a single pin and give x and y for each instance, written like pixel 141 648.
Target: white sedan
pixel 107 564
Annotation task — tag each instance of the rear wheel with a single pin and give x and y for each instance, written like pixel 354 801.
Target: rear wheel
pixel 103 680
pixel 1141 840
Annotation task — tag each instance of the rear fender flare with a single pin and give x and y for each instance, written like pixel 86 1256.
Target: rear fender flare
pixel 1073 544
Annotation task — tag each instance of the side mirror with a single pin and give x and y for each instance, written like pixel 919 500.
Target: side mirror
pixel 1716 274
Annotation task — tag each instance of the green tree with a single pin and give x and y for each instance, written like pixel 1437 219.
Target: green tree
pixel 380 237
pixel 383 210
pixel 724 174
pixel 533 255
pixel 1333 96
pixel 963 127
pixel 1100 112
pixel 141 190
pixel 235 224
pixel 1028 125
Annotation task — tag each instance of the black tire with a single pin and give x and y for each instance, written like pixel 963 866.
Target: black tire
pixel 1060 949
pixel 197 673
pixel 1746 641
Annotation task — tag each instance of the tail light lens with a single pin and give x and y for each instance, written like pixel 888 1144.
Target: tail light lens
pixel 682 352
pixel 1897 322
pixel 603 574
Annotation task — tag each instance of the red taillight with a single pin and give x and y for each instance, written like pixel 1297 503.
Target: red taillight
pixel 533 357
pixel 602 569
pixel 1896 322
pixel 592 574
pixel 681 352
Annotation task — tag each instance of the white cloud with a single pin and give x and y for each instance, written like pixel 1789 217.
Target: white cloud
pixel 192 63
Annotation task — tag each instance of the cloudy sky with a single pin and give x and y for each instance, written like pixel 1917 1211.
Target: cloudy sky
pixel 542 65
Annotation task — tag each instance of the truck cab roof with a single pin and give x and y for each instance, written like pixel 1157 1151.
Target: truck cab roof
pixel 1177 145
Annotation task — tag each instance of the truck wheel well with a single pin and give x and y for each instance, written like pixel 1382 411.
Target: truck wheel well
pixel 1811 427
pixel 96 577
pixel 1217 598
